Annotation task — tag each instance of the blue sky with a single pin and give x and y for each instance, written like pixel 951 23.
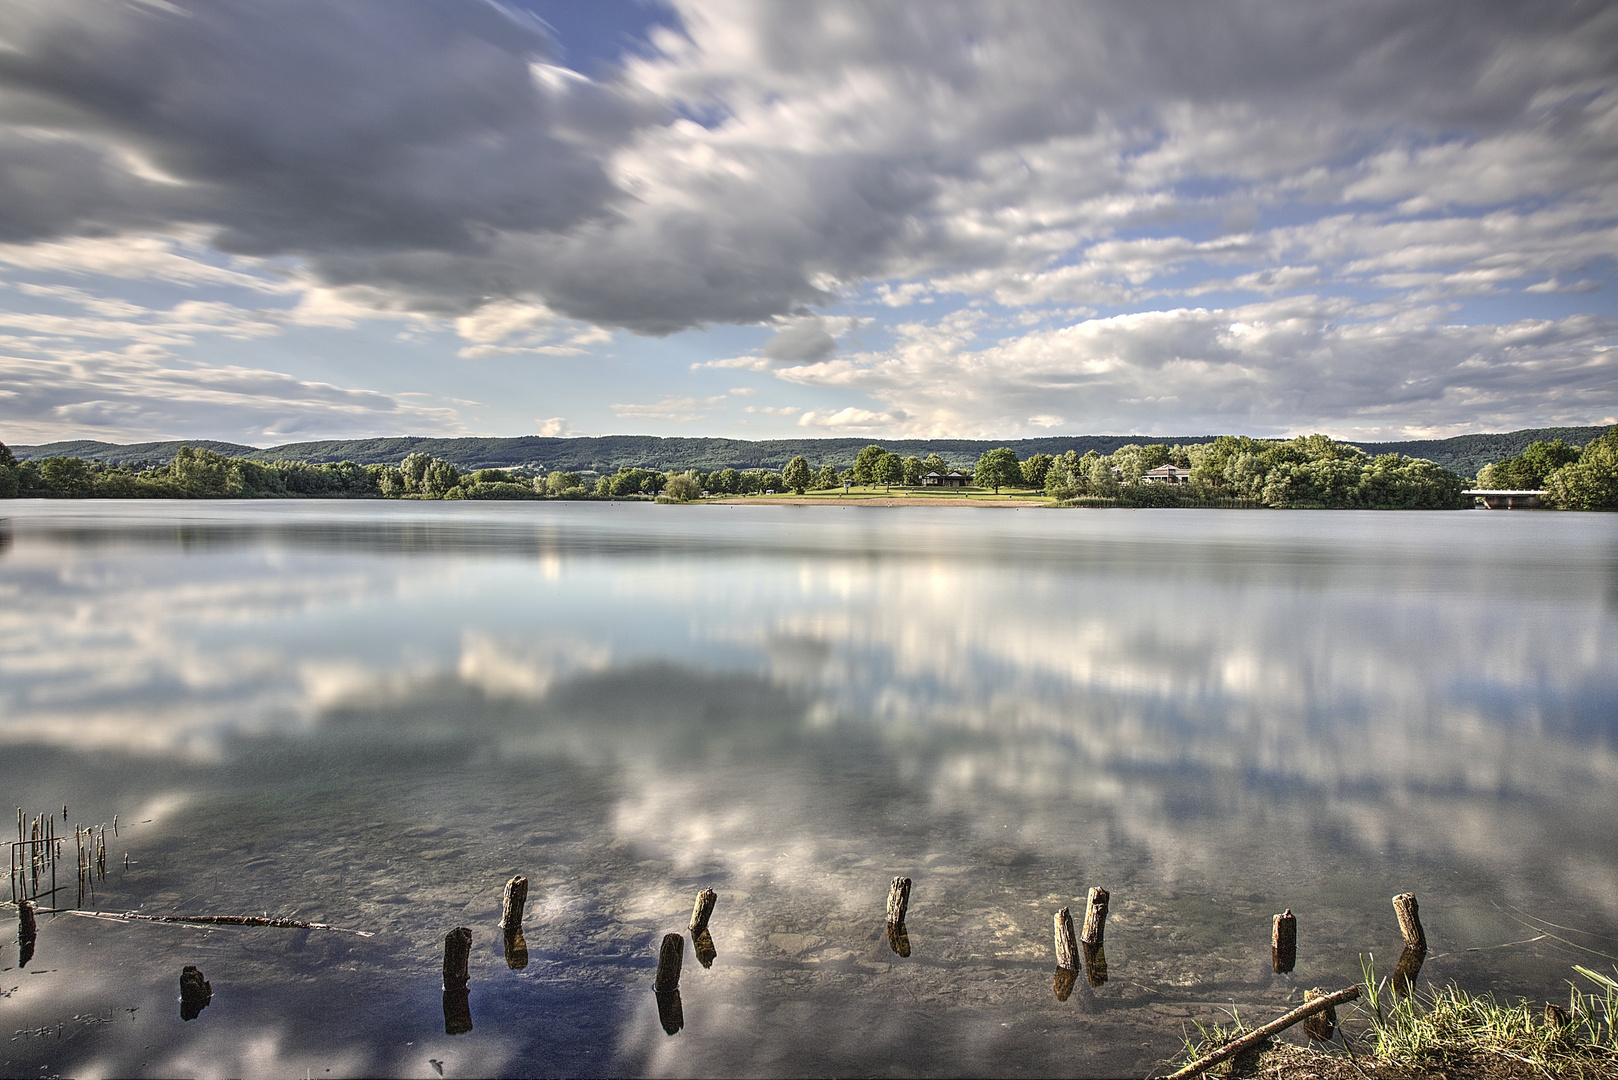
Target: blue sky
pixel 318 219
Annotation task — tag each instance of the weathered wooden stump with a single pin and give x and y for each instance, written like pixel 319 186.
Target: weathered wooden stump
pixel 898 900
pixel 1322 1025
pixel 511 904
pixel 195 992
pixel 702 945
pixel 670 958
pixel 1415 950
pixel 1064 982
pixel 516 949
pixel 898 938
pixel 702 910
pixel 1284 942
pixel 457 950
pixel 1067 942
pixel 1095 964
pixel 457 1010
pixel 670 1013
pixel 1095 917
pixel 27 932
pixel 1404 906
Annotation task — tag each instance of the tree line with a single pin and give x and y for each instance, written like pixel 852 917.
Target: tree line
pixel 1572 478
pixel 1311 471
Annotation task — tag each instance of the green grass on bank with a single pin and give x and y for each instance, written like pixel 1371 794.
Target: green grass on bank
pixel 1428 1031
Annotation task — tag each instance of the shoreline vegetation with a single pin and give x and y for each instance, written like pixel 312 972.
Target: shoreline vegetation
pixel 1227 472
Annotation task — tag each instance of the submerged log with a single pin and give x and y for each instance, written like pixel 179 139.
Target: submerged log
pixel 457 949
pixel 1404 906
pixel 1323 1024
pixel 1284 942
pixel 1095 916
pixel 195 992
pixel 670 958
pixel 1067 942
pixel 511 904
pixel 702 910
pixel 1274 1027
pixel 898 900
pixel 214 920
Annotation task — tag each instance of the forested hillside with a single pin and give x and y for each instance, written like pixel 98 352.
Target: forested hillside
pixel 1464 454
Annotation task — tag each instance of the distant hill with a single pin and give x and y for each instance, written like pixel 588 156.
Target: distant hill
pixel 1464 454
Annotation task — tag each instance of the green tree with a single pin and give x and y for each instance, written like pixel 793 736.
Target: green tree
pixel 1099 477
pixel 559 483
pixel 865 465
pixel 934 463
pixel 890 470
pixel 1035 468
pixel 997 468
pixel 439 479
pixel 826 478
pixel 796 474
pixel 683 487
pixel 203 474
pixel 727 480
pixel 913 471
pixel 1591 483
pixel 8 473
pixel 67 477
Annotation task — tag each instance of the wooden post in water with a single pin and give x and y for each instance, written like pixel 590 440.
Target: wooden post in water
pixel 1284 942
pixel 1414 953
pixel 1404 906
pixel 511 904
pixel 702 910
pixel 1095 916
pixel 898 900
pixel 1067 943
pixel 195 992
pixel 457 950
pixel 670 958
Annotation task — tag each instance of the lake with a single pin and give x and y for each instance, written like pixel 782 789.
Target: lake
pixel 373 714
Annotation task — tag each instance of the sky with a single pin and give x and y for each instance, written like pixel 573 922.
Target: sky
pixel 269 221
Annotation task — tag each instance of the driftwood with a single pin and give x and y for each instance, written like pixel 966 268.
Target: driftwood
pixel 1274 1027
pixel 1067 943
pixel 702 911
pixel 213 920
pixel 1323 1025
pixel 1095 916
pixel 898 900
pixel 1284 942
pixel 670 958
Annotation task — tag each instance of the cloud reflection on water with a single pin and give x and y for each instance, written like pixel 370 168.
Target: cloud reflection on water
pixel 1287 706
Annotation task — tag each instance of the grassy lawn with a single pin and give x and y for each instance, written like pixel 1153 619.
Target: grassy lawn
pixel 878 491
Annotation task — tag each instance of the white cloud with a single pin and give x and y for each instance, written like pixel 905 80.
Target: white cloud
pixel 677 410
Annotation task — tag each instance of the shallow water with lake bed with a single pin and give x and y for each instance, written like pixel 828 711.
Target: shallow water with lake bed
pixel 374 714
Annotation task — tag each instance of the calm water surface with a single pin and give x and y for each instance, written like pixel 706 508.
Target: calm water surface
pixel 374 714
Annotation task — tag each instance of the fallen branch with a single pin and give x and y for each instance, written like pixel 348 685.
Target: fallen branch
pixel 1274 1027
pixel 215 920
